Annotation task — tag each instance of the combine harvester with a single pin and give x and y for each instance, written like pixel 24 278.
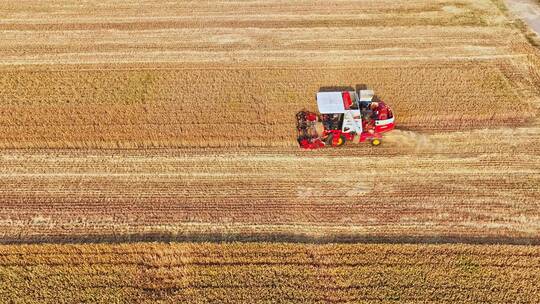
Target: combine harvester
pixel 345 116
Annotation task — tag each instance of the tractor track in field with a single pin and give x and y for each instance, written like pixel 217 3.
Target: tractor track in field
pixel 273 237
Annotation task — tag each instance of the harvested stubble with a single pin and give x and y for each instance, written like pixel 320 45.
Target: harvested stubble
pixel 439 188
pixel 265 272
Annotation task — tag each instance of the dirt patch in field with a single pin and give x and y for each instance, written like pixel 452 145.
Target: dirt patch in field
pixel 528 10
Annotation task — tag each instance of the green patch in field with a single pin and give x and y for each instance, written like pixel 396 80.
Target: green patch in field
pixel 139 88
pixel 467 265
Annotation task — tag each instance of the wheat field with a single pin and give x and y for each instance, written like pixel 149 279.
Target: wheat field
pixel 264 273
pixel 174 122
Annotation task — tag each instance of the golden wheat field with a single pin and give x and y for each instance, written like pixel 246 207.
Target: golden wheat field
pixel 269 273
pixel 175 121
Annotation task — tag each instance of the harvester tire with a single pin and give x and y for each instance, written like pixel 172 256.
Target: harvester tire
pixel 341 141
pixel 376 141
pixel 329 139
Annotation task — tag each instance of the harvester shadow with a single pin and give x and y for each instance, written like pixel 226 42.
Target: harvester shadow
pixel 361 86
pixel 336 88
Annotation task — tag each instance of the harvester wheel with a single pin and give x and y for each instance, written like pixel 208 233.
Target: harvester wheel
pixel 375 142
pixel 341 141
pixel 329 139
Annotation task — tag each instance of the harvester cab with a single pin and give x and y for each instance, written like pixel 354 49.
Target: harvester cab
pixel 345 116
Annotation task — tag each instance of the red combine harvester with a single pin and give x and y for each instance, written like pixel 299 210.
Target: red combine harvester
pixel 345 116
